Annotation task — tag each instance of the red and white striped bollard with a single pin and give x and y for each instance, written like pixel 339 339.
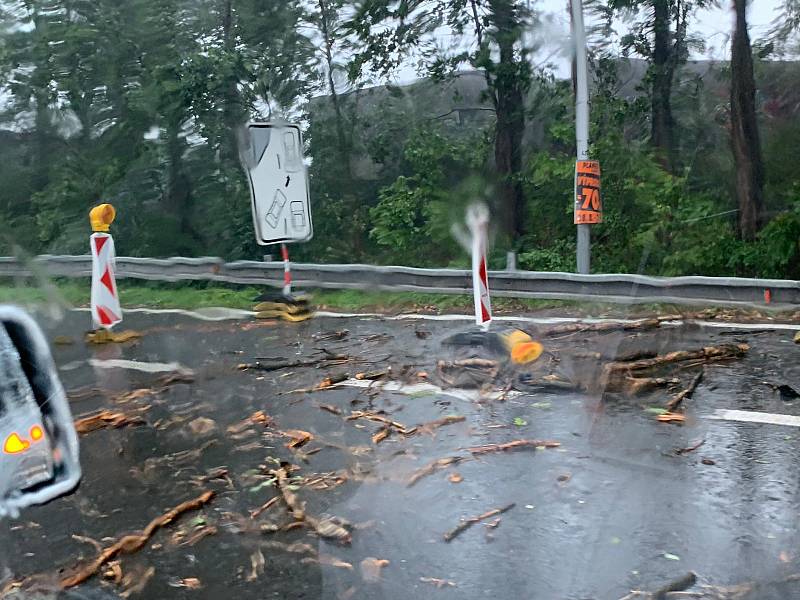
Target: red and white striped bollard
pixel 478 223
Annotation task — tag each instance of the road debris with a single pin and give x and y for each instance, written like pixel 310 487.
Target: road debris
pixel 670 417
pixel 637 385
pixel 329 528
pixel 432 426
pixel 131 543
pixel 432 467
pixel 687 393
pixel 439 583
pixel 331 335
pixel 257 563
pixel 515 445
pixel 470 521
pixel 786 392
pixel 371 569
pixel 266 506
pixel 106 336
pixel 571 328
pixel 678 585
pixel 202 426
pixel 373 416
pixel 455 478
pixel 135 582
pixel 709 353
pixel 692 448
pixel 373 375
pixel 299 437
pixel 106 418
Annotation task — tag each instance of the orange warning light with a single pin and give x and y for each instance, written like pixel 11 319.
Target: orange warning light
pixel 36 433
pixel 15 444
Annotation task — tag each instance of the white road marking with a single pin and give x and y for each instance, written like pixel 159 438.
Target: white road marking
pixel 225 314
pixel 749 416
pixel 202 314
pixel 136 365
pixel 426 389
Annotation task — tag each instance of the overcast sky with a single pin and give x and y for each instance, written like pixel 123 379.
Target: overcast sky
pixel 714 25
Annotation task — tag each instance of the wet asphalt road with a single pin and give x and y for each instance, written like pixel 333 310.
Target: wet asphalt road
pixel 613 509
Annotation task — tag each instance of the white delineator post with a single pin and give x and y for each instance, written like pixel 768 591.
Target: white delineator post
pixel 287 271
pixel 478 223
pixel 106 310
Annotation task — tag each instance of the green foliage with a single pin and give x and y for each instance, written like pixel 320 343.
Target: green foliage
pixel 414 213
pixel 139 102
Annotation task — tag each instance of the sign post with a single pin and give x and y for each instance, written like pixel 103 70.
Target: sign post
pixel 273 159
pixel 581 123
pixel 272 155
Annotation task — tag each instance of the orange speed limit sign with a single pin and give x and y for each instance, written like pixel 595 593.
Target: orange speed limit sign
pixel 588 203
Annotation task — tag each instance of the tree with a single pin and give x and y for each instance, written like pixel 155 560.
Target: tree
pixel 745 140
pixel 493 32
pixel 662 38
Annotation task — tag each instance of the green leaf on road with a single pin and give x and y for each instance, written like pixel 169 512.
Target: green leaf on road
pixel 656 410
pixel 520 422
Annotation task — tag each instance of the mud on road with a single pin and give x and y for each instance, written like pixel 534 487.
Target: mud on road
pixel 378 476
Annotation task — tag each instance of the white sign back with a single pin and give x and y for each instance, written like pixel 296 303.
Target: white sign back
pixel 273 159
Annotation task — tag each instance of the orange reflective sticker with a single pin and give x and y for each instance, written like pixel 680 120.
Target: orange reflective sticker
pixel 15 444
pixel 36 433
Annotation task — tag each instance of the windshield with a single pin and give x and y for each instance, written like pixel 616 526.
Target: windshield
pixel 340 299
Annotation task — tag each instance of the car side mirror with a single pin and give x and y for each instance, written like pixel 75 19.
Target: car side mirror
pixel 38 443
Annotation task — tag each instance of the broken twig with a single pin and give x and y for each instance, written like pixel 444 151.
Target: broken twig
pixel 515 445
pixel 131 543
pixel 687 393
pixel 467 523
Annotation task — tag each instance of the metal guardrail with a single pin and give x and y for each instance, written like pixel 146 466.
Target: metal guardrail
pixel 620 288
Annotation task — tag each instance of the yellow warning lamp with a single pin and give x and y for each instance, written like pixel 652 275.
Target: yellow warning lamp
pixel 522 348
pixel 15 444
pixel 101 217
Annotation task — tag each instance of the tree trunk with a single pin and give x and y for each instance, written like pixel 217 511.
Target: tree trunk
pixel 510 126
pixel 327 39
pixel 232 113
pixel 745 140
pixel 662 124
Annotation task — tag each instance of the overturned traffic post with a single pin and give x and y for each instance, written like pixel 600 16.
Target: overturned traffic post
pixel 272 156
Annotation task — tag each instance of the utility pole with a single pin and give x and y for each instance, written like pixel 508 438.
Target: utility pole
pixel 581 120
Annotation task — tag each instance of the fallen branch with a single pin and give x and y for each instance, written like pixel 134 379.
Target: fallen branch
pixel 692 448
pixel 106 418
pixel 710 353
pixel 370 416
pixel 432 426
pixel 571 328
pixel 467 523
pixel 515 445
pixel 432 467
pixel 687 393
pixel 637 385
pixel 325 528
pixel 131 543
pixel 263 507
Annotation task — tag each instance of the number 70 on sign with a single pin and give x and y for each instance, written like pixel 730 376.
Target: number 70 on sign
pixel 588 201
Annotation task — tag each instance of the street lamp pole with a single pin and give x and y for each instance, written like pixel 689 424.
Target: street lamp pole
pixel 581 120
